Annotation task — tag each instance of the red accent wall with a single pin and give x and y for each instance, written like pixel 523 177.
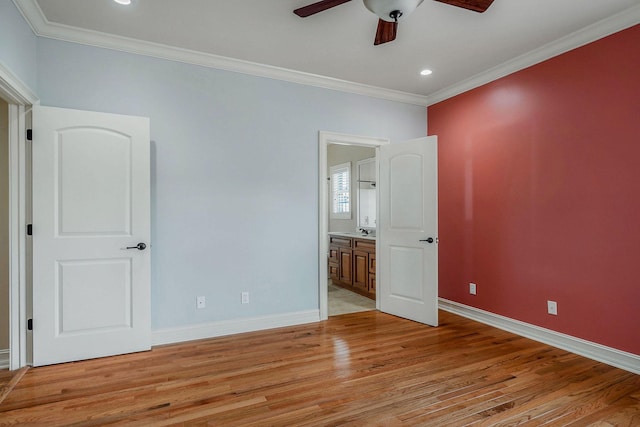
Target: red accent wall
pixel 539 193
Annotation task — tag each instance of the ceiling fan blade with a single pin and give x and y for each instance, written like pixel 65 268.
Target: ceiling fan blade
pixel 386 32
pixel 475 5
pixel 320 6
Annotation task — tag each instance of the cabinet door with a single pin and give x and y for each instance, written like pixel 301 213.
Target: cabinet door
pixel 334 254
pixel 360 270
pixel 372 263
pixel 334 272
pixel 372 284
pixel 345 265
pixel 334 263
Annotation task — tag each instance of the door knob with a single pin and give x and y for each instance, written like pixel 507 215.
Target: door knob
pixel 428 240
pixel 140 246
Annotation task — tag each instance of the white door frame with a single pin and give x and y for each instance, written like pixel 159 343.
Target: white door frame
pixel 324 139
pixel 20 98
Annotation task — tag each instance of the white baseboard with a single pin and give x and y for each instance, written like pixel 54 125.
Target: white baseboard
pixel 620 359
pixel 229 327
pixel 4 359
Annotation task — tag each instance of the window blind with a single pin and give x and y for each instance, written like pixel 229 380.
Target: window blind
pixel 341 191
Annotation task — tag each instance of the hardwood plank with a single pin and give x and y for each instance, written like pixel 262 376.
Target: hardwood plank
pixel 361 369
pixel 9 379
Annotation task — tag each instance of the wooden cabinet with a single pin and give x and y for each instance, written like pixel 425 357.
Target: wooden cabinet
pixel 372 273
pixel 339 254
pixel 345 265
pixel 361 270
pixel 352 264
pixel 334 263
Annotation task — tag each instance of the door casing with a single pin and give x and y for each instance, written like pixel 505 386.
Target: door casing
pixel 20 99
pixel 324 139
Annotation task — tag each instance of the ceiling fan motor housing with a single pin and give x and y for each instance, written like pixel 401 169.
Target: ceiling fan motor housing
pixel 392 10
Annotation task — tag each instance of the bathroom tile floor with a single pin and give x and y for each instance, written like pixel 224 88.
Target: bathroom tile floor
pixel 342 301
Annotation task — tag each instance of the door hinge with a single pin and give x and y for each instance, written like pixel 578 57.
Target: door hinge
pixel 29 229
pixel 29 134
pixel 30 324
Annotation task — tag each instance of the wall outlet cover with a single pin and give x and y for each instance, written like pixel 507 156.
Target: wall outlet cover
pixel 201 302
pixel 245 297
pixel 472 288
pixel 552 308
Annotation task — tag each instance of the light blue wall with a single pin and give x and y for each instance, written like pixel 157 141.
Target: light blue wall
pixel 234 172
pixel 17 45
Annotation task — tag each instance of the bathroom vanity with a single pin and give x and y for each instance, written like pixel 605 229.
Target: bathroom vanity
pixel 352 262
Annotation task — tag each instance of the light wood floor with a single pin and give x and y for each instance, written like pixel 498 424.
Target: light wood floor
pixel 361 369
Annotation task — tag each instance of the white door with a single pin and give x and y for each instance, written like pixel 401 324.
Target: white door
pixel 91 294
pixel 407 233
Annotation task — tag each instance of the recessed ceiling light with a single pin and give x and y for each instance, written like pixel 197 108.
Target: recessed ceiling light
pixel 123 1
pixel 425 72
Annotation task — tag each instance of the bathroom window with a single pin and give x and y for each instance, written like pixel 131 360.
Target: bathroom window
pixel 341 191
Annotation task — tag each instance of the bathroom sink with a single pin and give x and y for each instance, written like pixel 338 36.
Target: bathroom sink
pixel 354 234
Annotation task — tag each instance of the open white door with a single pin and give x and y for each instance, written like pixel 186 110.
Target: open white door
pixel 407 232
pixel 91 215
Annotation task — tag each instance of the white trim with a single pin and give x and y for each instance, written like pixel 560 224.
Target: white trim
pixel 17 237
pixel 13 90
pixel 4 359
pixel 625 19
pixel 19 96
pixel 229 327
pixel 43 28
pixel 611 356
pixel 324 139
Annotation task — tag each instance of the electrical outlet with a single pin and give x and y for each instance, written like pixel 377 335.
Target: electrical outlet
pixel 201 302
pixel 552 307
pixel 472 288
pixel 245 297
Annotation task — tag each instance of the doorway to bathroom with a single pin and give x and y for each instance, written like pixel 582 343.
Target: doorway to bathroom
pixel 401 260
pixel 352 228
pixel 348 222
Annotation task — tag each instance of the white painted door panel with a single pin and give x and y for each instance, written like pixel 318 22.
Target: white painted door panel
pixel 91 295
pixel 408 264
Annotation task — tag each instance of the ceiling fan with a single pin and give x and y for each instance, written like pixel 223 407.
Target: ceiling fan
pixel 389 12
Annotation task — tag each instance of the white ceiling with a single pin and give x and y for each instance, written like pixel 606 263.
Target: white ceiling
pixel 455 43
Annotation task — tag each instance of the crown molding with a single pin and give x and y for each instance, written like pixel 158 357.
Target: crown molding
pixel 623 20
pixel 32 13
pixel 44 28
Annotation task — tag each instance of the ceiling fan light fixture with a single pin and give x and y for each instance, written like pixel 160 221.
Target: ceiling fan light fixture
pixel 425 72
pixel 124 2
pixel 392 10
